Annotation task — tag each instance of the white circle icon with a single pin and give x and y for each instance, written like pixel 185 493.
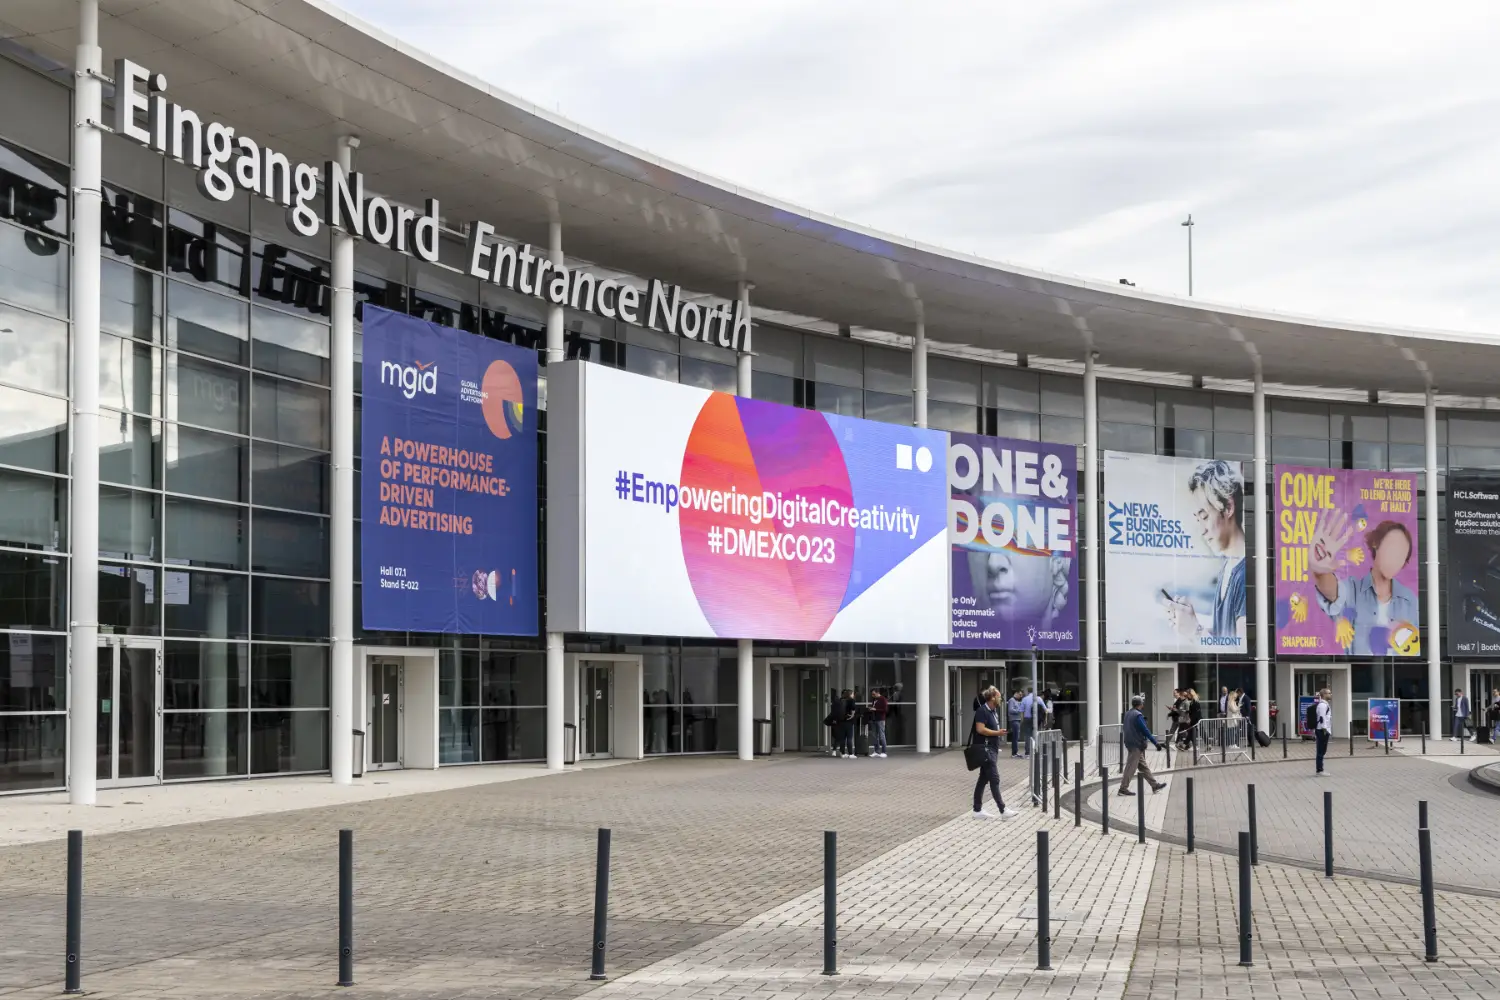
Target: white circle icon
pixel 924 459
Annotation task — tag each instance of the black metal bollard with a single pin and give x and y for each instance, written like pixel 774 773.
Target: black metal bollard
pixel 1252 747
pixel 1254 833
pixel 346 907
pixel 73 971
pixel 830 903
pixel 1099 753
pixel 1245 899
pixel 1056 787
pixel 1190 815
pixel 601 904
pixel 1422 815
pixel 1104 801
pixel 1043 905
pixel 1140 808
pixel 1387 742
pixel 1328 834
pixel 1168 747
pixel 1283 741
pixel 1078 793
pixel 1429 904
pixel 1223 746
pixel 1351 741
pixel 1424 743
pixel 1462 732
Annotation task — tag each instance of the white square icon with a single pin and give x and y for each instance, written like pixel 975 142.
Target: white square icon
pixel 903 456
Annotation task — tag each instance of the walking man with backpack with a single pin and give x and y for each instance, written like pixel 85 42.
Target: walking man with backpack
pixel 1320 718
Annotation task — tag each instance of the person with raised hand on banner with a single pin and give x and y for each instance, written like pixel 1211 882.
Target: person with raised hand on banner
pixel 1375 600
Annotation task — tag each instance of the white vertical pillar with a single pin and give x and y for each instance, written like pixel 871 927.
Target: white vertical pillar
pixel 556 353
pixel 745 713
pixel 1090 495
pixel 83 590
pixel 919 401
pixel 1262 563
pixel 341 538
pixel 1433 639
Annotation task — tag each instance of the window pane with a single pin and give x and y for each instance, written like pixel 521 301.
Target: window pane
pixel 129 449
pixel 290 412
pixel 831 398
pixel 33 349
pixel 835 360
pixel 289 677
pixel 33 191
pixel 129 599
pixel 210 605
pixel 206 464
pixel 129 375
pixel 33 430
pixel 129 302
pixel 131 227
pixel 458 735
pixel 32 591
pixel 656 364
pixel 700 677
pixel 208 253
pixel 36 752
pixel 33 270
pixel 283 476
pixel 33 673
pixel 946 416
pixel 1012 389
pixel 513 678
pixel 32 512
pixel 1010 423
pixel 205 534
pixel 514 734
pixel 291 279
pixel 202 322
pixel 775 388
pixel 203 393
pixel 294 544
pixel 288 741
pixel 198 676
pixel 709 730
pixel 952 380
pixel 288 609
pixel 289 345
pixel 889 409
pixel 203 744
pixel 1127 437
pixel 707 375
pixel 129 524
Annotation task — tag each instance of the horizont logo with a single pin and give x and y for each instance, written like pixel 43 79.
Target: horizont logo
pixel 412 378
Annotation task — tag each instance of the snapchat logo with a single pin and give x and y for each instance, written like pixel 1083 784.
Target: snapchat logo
pixel 1405 640
pixel 1299 606
pixel 1356 556
pixel 1343 633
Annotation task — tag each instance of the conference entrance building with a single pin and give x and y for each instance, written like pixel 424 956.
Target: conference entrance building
pixel 207 209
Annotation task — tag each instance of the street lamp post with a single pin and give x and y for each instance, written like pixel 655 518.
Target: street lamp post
pixel 1189 225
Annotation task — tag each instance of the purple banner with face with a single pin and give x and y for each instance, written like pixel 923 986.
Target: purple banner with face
pixel 1012 519
pixel 1346 562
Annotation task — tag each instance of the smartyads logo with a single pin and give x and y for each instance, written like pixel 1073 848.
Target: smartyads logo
pixel 410 379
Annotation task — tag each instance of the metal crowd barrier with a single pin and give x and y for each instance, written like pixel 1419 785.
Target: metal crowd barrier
pixel 1109 748
pixel 1217 741
pixel 1045 747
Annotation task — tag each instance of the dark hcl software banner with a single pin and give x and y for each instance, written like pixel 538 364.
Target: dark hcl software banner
pixel 1473 564
pixel 449 480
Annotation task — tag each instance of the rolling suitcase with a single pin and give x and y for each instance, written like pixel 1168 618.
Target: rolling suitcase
pixel 1262 739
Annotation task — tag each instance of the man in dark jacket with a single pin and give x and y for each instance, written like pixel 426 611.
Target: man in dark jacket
pixel 1137 735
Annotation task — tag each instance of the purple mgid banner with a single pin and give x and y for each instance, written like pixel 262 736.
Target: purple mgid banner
pixel 1346 562
pixel 1012 518
pixel 449 480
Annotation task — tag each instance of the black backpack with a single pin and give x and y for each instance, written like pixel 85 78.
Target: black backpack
pixel 1312 717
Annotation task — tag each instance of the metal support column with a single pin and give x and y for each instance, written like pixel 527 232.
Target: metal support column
pixel 1262 562
pixel 83 590
pixel 341 537
pixel 556 354
pixel 1434 597
pixel 924 673
pixel 746 711
pixel 1089 495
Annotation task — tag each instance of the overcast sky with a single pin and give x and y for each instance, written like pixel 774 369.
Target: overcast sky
pixel 1339 158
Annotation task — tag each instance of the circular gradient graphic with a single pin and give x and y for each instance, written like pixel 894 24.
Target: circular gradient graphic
pixel 789 452
pixel 504 404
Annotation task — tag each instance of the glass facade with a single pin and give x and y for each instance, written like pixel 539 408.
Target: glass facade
pixel 215 465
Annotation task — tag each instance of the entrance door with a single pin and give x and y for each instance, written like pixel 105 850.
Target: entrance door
pixel 129 719
pixel 596 686
pixel 384 735
pixel 778 714
pixel 1143 683
pixel 964 685
pixel 813 705
pixel 1482 687
pixel 1310 682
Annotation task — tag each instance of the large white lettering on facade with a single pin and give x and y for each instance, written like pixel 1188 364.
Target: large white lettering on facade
pixel 227 162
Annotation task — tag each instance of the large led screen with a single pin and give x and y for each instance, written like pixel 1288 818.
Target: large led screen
pixel 1473 564
pixel 699 513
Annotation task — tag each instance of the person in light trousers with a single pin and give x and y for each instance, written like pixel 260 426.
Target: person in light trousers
pixel 1137 734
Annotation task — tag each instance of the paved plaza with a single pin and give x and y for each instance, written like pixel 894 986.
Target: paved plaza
pixel 487 889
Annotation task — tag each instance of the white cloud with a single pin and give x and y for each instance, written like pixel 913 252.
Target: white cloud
pixel 1336 156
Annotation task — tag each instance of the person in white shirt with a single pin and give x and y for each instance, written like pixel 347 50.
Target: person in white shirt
pixel 1460 714
pixel 1325 725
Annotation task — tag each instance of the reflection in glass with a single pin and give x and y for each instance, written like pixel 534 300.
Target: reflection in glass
pixel 890 409
pixel 202 322
pixel 513 678
pixel 283 476
pixel 206 464
pixel 203 744
pixel 294 544
pixel 129 524
pixel 129 302
pixel 211 605
pixel 33 752
pixel 129 599
pixel 644 361
pixel 203 675
pixel 775 388
pixel 290 412
pixel 288 609
pixel 948 416
pixel 129 375
pixel 33 190
pixel 33 270
pixel 206 394
pixel 32 511
pixel 131 227
pixel 205 534
pixel 831 398
pixel 288 741
pixel 707 375
pixel 33 349
pixel 208 253
pixel 33 673
pixel 32 591
pixel 458 735
pixel 290 345
pixel 129 449
pixel 290 278
pixel 513 733
pixel 33 430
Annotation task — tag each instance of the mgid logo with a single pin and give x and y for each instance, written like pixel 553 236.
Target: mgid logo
pixel 411 379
